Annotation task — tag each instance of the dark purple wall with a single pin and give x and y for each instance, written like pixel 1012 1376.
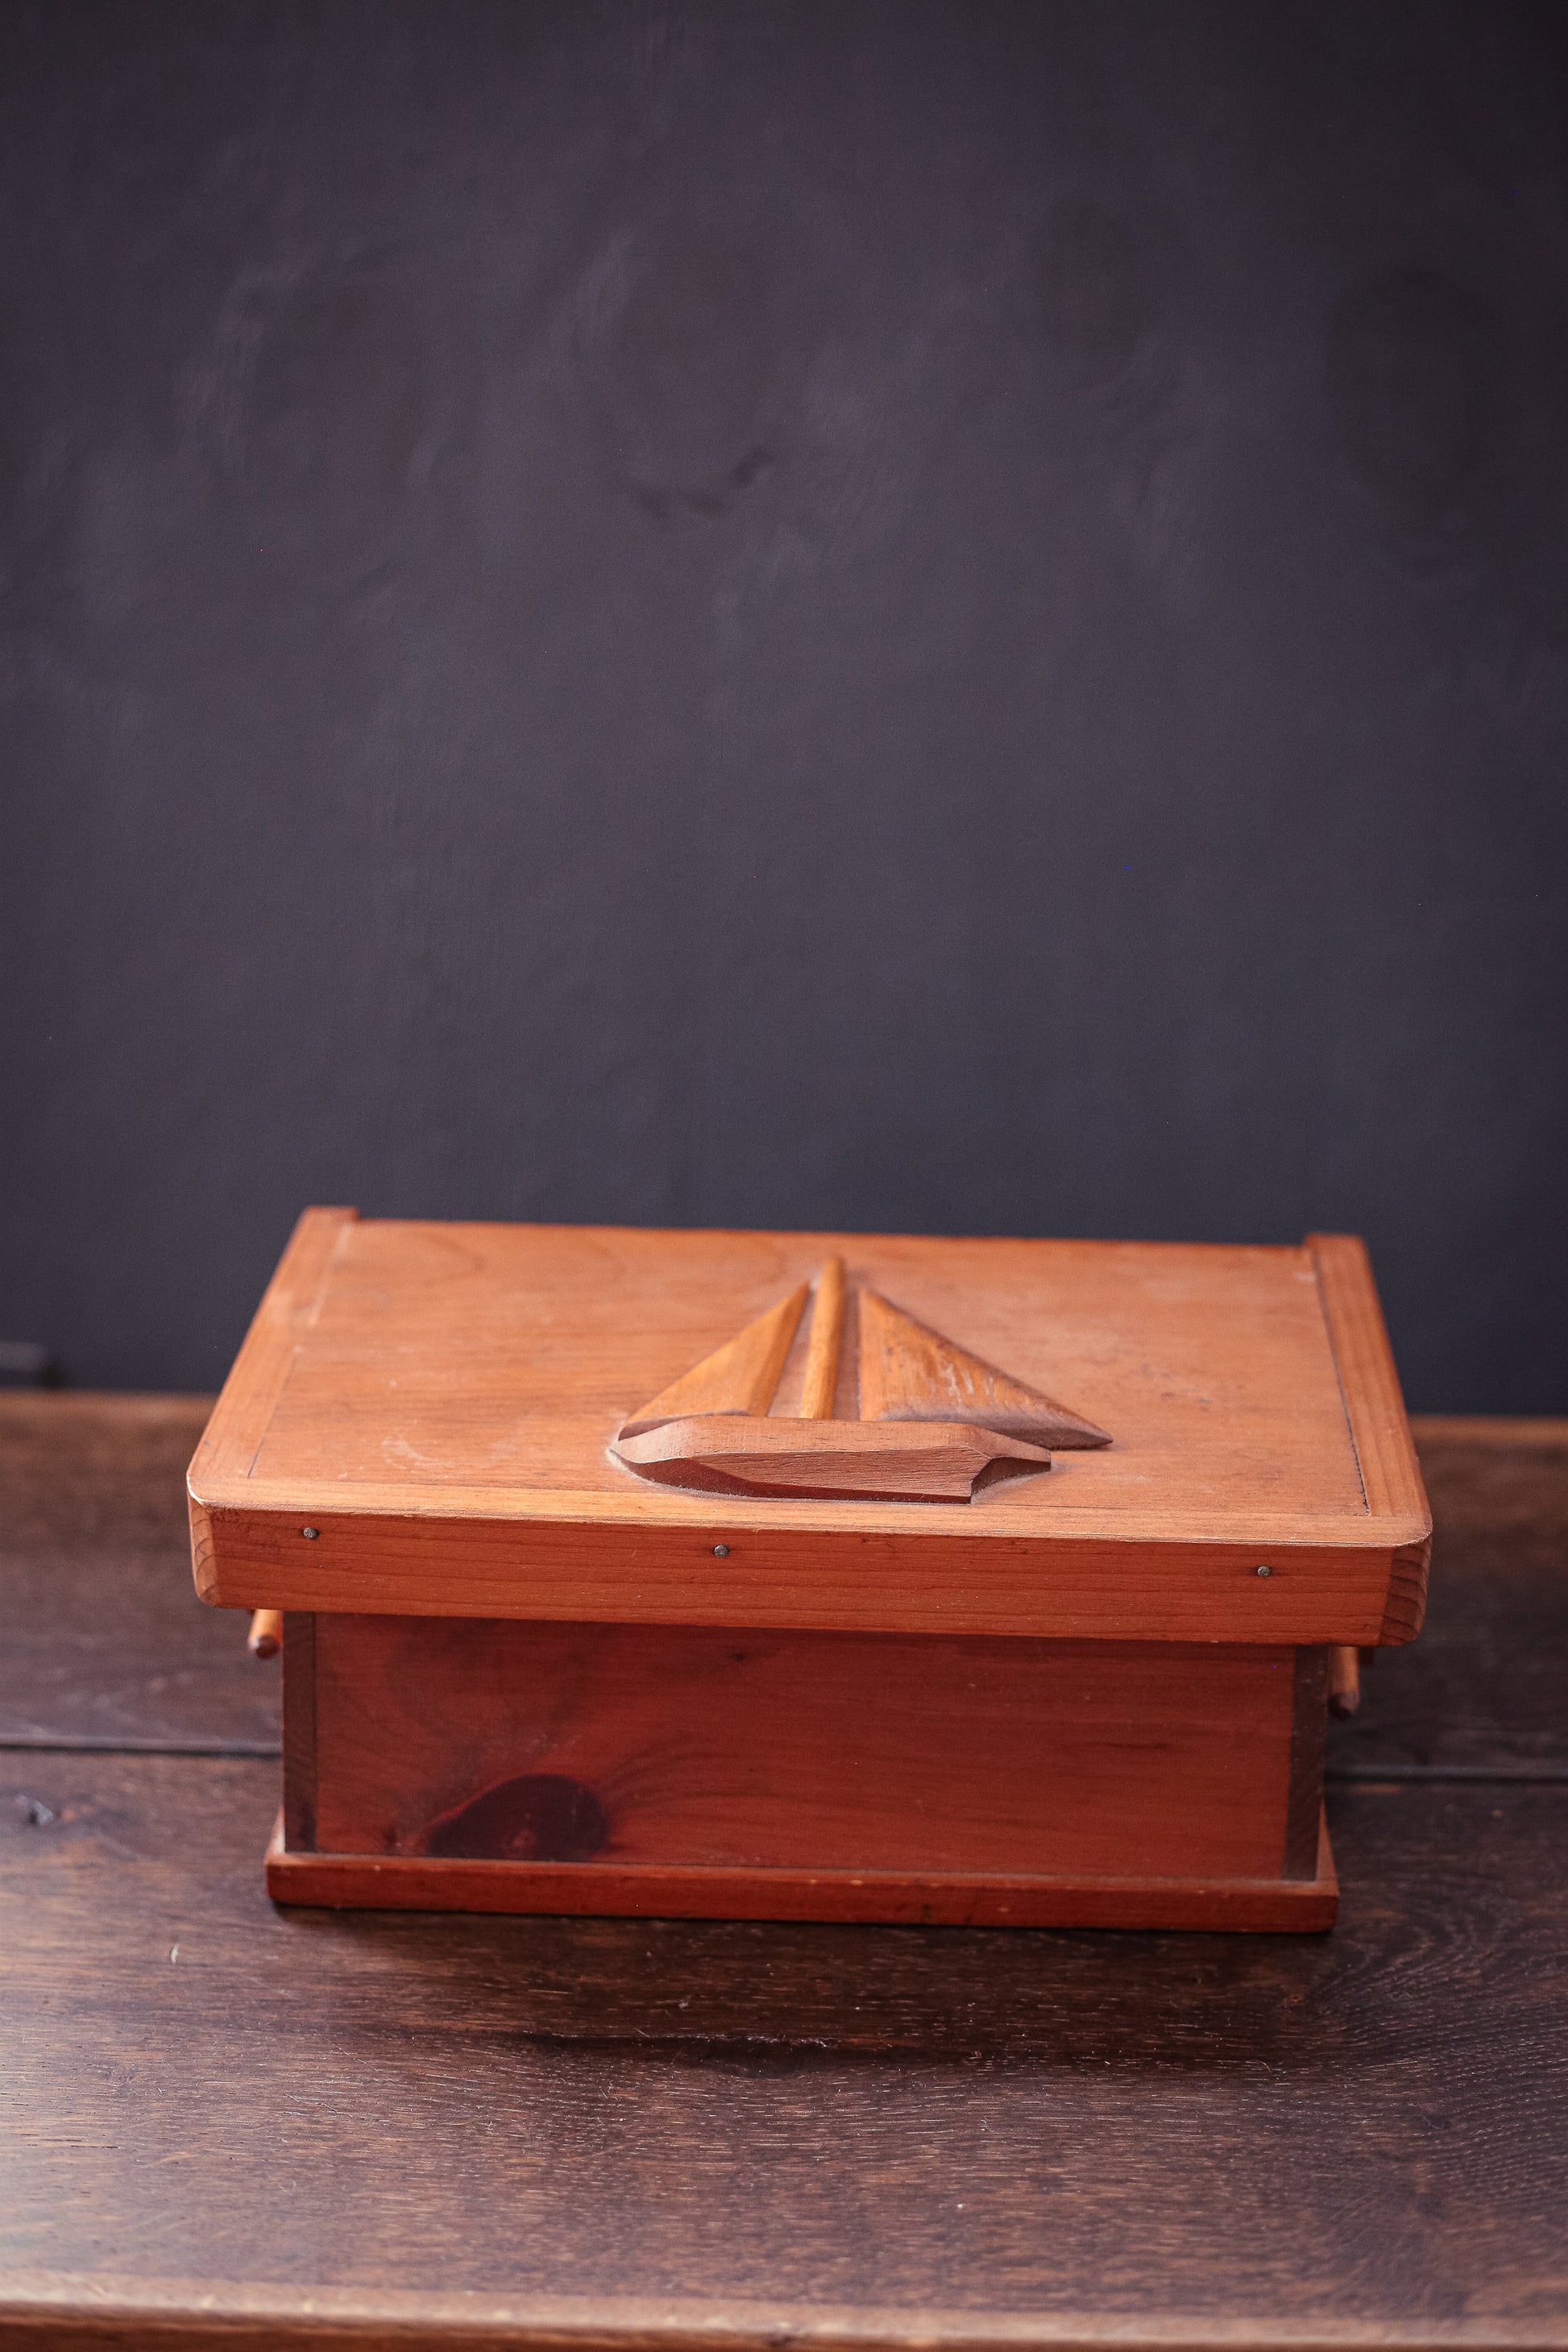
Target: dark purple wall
pixel 946 617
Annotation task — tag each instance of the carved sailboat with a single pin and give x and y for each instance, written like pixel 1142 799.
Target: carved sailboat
pixel 913 1418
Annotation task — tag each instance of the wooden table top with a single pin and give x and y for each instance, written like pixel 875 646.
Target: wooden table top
pixel 222 2122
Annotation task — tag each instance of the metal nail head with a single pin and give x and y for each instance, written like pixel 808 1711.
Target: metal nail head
pixel 1266 1571
pixel 721 1552
pixel 310 1534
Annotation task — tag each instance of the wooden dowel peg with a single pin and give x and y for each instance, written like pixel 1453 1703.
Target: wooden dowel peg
pixel 266 1638
pixel 1344 1682
pixel 821 1381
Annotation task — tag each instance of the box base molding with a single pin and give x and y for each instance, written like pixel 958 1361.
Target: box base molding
pixel 601 1889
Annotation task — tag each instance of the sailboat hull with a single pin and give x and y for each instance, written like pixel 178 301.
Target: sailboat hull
pixel 743 1453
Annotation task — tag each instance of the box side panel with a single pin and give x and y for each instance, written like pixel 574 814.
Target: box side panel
pixel 712 1748
pixel 1309 1730
pixel 299 1730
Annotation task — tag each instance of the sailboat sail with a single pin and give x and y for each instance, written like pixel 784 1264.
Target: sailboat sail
pixel 908 1372
pixel 738 1377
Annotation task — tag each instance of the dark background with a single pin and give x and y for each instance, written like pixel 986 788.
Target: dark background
pixel 946 617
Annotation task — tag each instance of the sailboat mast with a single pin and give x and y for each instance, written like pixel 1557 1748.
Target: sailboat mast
pixel 821 1381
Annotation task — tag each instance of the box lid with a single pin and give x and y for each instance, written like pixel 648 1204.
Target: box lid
pixel 438 1404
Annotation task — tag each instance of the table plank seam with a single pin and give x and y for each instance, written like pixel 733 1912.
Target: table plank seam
pixel 84 1744
pixel 1335 1776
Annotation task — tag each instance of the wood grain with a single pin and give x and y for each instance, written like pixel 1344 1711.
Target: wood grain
pixel 846 1761
pixel 1482 1692
pixel 838 1578
pixel 301 1744
pixel 1499 1488
pixel 99 1643
pixel 911 1373
pixel 1305 1853
pixel 378 2128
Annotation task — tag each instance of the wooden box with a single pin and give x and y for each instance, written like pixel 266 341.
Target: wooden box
pixel 551 1647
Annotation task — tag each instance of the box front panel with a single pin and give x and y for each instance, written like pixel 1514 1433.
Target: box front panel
pixel 667 1746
